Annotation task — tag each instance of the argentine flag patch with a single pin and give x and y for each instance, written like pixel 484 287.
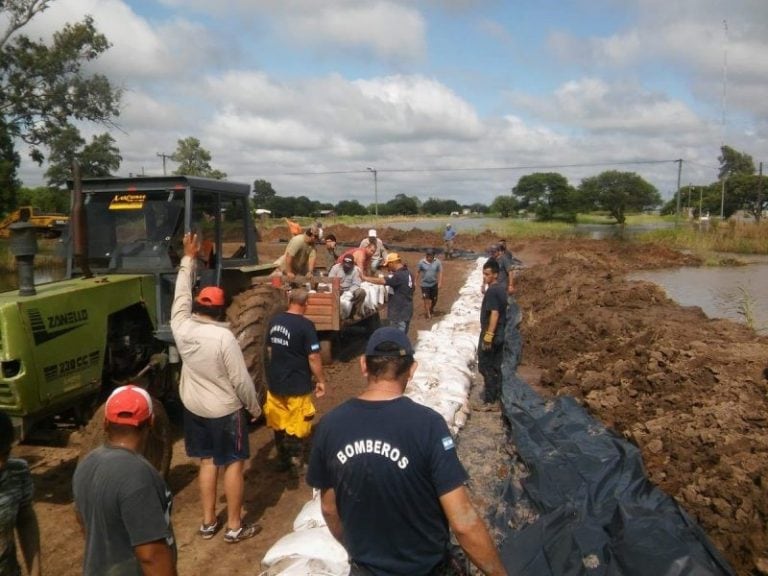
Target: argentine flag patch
pixel 315 347
pixel 448 443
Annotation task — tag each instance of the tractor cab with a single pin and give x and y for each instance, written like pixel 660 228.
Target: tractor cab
pixel 136 226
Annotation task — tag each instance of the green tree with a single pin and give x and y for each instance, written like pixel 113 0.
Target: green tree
pixel 43 87
pixel 437 206
pixel 546 194
pixel 741 193
pixel 9 164
pixel 478 208
pixel 194 160
pixel 733 162
pixel 46 199
pixel 618 193
pixel 262 193
pixel 400 205
pixel 350 208
pixel 62 151
pixel 98 158
pixel 504 206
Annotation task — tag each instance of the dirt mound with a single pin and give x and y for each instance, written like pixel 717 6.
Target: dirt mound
pixel 689 391
pixel 414 238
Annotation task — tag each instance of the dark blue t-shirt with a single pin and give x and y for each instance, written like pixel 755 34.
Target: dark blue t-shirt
pixel 495 298
pixel 388 462
pixel 400 303
pixel 291 338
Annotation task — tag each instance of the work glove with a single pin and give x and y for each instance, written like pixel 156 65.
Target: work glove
pixel 487 341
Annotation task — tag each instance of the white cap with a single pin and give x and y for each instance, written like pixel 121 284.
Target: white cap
pixel 371 233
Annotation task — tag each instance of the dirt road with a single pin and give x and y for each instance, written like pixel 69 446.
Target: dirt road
pixel 691 392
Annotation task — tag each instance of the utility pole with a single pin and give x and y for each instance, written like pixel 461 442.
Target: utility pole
pixel 679 174
pixel 700 206
pixel 375 190
pixel 723 102
pixel 759 211
pixel 164 156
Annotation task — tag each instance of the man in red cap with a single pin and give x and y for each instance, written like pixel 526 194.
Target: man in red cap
pixel 216 391
pixel 122 503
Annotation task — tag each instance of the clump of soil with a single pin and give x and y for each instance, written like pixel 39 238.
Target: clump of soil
pixel 689 391
pixel 413 238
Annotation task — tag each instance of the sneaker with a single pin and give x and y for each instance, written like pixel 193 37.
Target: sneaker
pixel 207 531
pixel 245 531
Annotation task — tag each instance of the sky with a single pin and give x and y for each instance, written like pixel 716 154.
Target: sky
pixel 448 99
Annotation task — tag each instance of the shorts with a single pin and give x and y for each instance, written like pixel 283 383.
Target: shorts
pixel 291 414
pixel 225 439
pixel 429 293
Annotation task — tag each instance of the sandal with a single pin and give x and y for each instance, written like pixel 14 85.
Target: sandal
pixel 208 531
pixel 245 531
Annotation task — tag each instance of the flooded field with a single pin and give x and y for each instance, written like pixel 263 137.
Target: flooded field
pixel 738 293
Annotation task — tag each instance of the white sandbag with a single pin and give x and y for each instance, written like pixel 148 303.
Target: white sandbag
pixel 311 514
pixel 316 543
pixel 345 303
pixel 375 296
pixel 300 566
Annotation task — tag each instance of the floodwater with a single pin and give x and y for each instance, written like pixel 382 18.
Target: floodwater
pixel 738 293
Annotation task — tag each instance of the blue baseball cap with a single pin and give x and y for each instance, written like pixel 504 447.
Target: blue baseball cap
pixel 388 341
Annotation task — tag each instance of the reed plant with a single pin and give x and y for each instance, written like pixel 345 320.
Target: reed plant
pixel 745 306
pixel 704 239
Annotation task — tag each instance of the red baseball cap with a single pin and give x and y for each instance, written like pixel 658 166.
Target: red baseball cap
pixel 211 296
pixel 129 404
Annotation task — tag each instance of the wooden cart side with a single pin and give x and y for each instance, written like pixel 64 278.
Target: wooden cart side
pixel 324 309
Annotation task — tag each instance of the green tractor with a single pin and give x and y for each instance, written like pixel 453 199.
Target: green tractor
pixel 64 345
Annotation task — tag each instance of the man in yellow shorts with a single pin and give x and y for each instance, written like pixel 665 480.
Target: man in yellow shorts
pixel 294 359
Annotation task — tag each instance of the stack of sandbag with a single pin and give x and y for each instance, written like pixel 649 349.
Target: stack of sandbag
pixel 309 549
pixel 446 355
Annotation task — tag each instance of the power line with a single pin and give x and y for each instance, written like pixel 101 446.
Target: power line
pixel 703 165
pixel 484 169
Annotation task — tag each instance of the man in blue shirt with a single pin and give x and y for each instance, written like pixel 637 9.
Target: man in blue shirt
pixel 400 303
pixel 429 277
pixel 294 358
pixel 391 482
pixel 493 319
pixel 448 238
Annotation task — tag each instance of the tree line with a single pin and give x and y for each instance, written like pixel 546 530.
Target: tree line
pixel 45 90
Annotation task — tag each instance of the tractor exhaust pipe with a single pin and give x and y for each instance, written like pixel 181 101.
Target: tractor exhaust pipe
pixel 23 246
pixel 79 222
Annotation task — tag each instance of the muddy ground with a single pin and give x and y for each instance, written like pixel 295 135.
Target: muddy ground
pixel 689 391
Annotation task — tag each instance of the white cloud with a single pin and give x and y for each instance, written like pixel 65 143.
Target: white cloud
pixel 386 29
pixel 695 41
pixel 594 105
pixel 407 105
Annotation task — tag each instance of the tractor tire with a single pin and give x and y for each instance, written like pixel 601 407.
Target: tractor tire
pixel 249 316
pixel 159 444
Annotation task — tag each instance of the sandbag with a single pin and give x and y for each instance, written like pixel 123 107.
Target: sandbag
pixel 316 543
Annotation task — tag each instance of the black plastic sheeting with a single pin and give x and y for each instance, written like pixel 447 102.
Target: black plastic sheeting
pixel 598 514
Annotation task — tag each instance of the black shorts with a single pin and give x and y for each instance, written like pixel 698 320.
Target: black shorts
pixel 224 439
pixel 429 293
